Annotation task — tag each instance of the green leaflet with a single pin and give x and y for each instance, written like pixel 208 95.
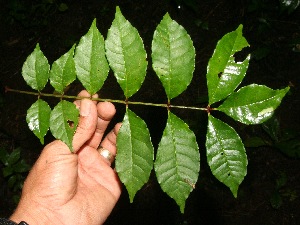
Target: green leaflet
pixel 134 160
pixel 226 154
pixel 35 70
pixel 253 104
pixel 64 121
pixel 223 73
pixel 177 161
pixel 173 56
pixel 126 54
pixel 90 62
pixel 37 118
pixel 63 72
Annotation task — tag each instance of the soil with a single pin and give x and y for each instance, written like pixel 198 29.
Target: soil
pixel 272 35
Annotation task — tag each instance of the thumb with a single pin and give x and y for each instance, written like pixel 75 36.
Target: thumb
pixel 87 123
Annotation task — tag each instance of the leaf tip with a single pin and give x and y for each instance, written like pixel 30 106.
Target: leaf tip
pixel 182 208
pixel 167 16
pixel 37 46
pixel 131 197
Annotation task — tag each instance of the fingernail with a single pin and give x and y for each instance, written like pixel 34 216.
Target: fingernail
pixel 85 107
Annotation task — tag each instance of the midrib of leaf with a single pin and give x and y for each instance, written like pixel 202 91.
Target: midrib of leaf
pixel 169 59
pixel 123 53
pixel 258 102
pixel 93 46
pixel 224 156
pixel 175 152
pixel 230 55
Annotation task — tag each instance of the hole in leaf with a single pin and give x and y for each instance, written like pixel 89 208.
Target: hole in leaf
pixel 71 123
pixel 220 74
pixel 241 55
pixel 228 174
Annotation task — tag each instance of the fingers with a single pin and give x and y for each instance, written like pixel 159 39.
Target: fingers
pixel 84 94
pixel 92 124
pixel 106 111
pixel 87 123
pixel 109 142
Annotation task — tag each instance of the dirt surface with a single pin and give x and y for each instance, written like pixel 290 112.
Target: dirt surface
pixel 272 36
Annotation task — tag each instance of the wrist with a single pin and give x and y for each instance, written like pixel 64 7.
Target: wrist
pixel 32 213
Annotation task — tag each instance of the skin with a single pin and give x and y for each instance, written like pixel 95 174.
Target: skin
pixel 74 188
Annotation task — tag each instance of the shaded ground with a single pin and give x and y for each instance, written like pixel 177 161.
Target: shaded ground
pixel 210 203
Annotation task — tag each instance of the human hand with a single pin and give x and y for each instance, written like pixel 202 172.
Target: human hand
pixel 67 188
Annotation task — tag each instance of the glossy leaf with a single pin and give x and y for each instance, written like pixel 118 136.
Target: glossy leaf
pixel 134 160
pixel 223 73
pixel 38 116
pixel 126 54
pixel 177 161
pixel 35 70
pixel 63 72
pixel 90 61
pixel 226 154
pixel 64 121
pixel 253 104
pixel 173 56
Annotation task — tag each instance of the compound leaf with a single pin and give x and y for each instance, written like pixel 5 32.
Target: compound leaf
pixel 63 72
pixel 226 154
pixel 253 104
pixel 38 116
pixel 177 161
pixel 35 70
pixel 90 61
pixel 64 121
pixel 223 73
pixel 173 56
pixel 134 160
pixel 126 54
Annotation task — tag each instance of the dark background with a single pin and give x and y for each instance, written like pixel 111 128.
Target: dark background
pixel 273 35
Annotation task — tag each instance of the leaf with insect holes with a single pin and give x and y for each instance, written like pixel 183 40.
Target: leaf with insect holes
pixel 38 116
pixel 223 73
pixel 62 72
pixel 226 154
pixel 64 121
pixel 253 104
pixel 173 56
pixel 90 61
pixel 126 54
pixel 35 70
pixel 134 160
pixel 177 161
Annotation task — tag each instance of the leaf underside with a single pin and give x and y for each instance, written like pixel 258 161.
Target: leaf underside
pixel 177 161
